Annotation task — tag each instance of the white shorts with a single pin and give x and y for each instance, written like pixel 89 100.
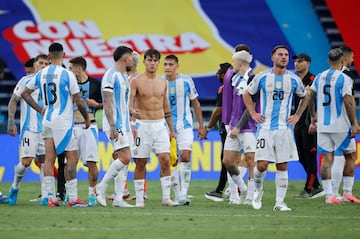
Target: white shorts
pixel 185 139
pixel 276 146
pixel 88 142
pixel 244 143
pixel 64 139
pixel 31 145
pixel 152 134
pixel 125 139
pixel 335 142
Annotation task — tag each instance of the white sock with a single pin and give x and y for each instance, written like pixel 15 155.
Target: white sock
pixel 259 179
pixel 336 173
pixel 111 173
pixel 49 186
pixel 185 177
pixel 348 185
pixel 71 189
pixel 175 183
pixel 242 171
pixel 281 184
pixel 92 192
pixel 120 181
pixel 20 171
pixel 233 188
pixel 327 185
pixel 43 190
pixel 165 185
pixel 251 189
pixel 139 191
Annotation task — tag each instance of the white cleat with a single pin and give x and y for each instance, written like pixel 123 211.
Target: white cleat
pixel 281 207
pixel 100 197
pixel 121 204
pixel 257 203
pixel 169 203
pixel 235 201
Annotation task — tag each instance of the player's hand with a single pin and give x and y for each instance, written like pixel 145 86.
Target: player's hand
pixel 11 128
pixel 257 117
pixel 87 123
pixel 312 128
pixel 234 133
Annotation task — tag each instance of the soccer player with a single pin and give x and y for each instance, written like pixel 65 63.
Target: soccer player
pixel 243 139
pixel 115 88
pixel 31 144
pixel 59 89
pixel 150 106
pixel 305 142
pixel 334 121
pixel 181 91
pixel 90 90
pixel 275 142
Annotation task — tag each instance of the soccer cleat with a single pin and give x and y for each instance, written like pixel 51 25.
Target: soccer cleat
pixel 100 197
pixel 317 192
pixel 12 197
pixel 92 201
pixel 127 197
pixel 302 195
pixel 44 202
pixel 121 203
pixel 53 202
pixel 235 201
pixel 256 203
pixel 214 196
pixel 169 203
pixel 183 201
pixel 3 199
pixel 247 202
pixel 281 207
pixel 350 199
pixel 332 200
pixel 77 203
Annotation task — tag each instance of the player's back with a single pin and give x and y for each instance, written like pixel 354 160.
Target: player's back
pixel 331 86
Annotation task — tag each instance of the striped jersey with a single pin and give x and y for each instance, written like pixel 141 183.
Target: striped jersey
pixel 330 87
pixel 30 119
pixel 180 92
pixel 57 85
pixel 117 83
pixel 276 95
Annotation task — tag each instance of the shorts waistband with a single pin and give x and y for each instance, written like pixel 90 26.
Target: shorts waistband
pixel 77 123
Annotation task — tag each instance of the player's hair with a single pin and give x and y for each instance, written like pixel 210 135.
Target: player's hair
pixel 79 61
pixel 242 47
pixel 56 50
pixel 223 67
pixel 120 51
pixel 152 53
pixel 172 57
pixel 279 47
pixel 335 55
pixel 40 56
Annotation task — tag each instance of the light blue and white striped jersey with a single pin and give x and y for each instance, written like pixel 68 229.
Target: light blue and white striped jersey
pixel 330 87
pixel 56 85
pixel 30 119
pixel 180 92
pixel 117 83
pixel 276 95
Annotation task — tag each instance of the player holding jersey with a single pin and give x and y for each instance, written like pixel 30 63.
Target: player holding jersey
pixel 275 142
pixel 181 91
pixel 59 89
pixel 31 143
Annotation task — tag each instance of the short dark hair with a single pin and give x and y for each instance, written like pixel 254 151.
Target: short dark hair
pixel 55 47
pixel 120 51
pixel 242 47
pixel 30 62
pixel 346 49
pixel 79 61
pixel 41 56
pixel 223 67
pixel 152 53
pixel 278 47
pixel 172 57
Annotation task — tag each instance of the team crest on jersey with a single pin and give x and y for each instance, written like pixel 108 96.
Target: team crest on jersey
pixel 172 90
pixel 278 84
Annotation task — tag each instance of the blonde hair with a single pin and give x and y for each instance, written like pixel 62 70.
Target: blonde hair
pixel 243 56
